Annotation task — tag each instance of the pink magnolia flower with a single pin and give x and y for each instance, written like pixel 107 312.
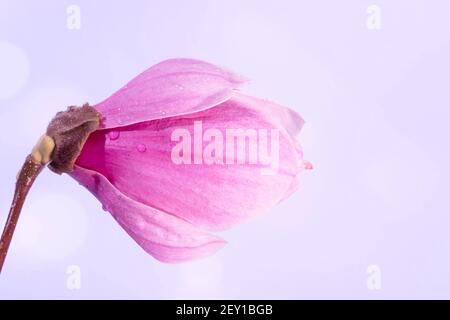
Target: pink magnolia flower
pixel 150 161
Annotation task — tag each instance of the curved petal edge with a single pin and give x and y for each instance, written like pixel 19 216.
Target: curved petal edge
pixel 164 236
pixel 169 88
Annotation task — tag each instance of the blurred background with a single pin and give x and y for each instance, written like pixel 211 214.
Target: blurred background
pixel 371 79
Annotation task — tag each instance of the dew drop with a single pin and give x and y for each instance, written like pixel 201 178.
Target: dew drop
pixel 113 135
pixel 142 148
pixel 179 87
pixel 162 112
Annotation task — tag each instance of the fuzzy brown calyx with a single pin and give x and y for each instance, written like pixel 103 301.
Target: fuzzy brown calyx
pixel 69 130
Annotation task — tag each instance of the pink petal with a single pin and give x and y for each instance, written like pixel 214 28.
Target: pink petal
pixel 170 88
pixel 165 237
pixel 282 116
pixel 213 197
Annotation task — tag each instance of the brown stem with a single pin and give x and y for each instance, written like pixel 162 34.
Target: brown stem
pixel 30 170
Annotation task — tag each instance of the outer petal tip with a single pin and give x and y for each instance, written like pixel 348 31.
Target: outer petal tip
pixel 284 117
pixel 177 255
pixel 308 165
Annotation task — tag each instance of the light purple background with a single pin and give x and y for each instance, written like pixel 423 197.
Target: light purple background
pixel 376 104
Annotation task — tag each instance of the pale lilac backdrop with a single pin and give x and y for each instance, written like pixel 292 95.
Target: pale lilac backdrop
pixel 371 78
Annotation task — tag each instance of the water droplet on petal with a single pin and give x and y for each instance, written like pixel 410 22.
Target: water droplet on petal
pixel 142 148
pixel 113 135
pixel 179 87
pixel 162 112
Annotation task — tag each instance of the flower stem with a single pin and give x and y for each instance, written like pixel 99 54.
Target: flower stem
pixel 29 172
